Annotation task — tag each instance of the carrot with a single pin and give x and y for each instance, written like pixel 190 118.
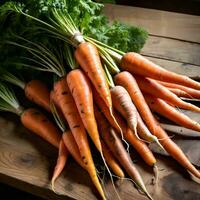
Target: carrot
pixel 123 103
pixel 101 104
pixel 179 93
pixel 126 80
pixel 63 154
pixel 174 150
pixel 153 88
pixel 88 57
pixel 192 92
pixel 72 147
pixel 31 89
pixel 137 64
pixel 156 130
pixel 37 92
pixel 114 143
pixel 111 160
pixel 57 106
pixel 140 146
pixel 37 122
pixel 73 118
pixel 161 107
pixel 81 91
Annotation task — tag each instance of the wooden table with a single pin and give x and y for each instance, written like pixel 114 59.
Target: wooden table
pixel 26 162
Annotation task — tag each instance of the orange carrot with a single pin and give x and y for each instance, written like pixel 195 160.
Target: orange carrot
pixel 123 103
pixel 37 92
pixel 179 93
pixel 156 129
pixel 192 92
pixel 111 161
pixel 140 146
pixel 114 143
pixel 153 88
pixel 111 116
pixel 161 107
pixel 88 57
pixel 126 80
pixel 174 150
pixel 63 154
pixel 137 64
pixel 73 118
pixel 37 122
pixel 72 147
pixel 81 91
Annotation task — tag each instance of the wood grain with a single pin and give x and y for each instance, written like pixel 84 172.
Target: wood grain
pixel 159 23
pixel 27 162
pixel 172 49
pixel 192 71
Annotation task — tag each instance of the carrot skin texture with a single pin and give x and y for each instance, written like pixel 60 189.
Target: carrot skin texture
pixel 88 57
pixel 38 123
pixel 129 136
pixel 114 143
pixel 153 88
pixel 175 151
pixel 101 104
pixel 123 103
pixel 161 107
pixel 137 64
pixel 37 92
pixel 63 154
pixel 111 161
pixel 70 111
pixel 72 147
pixel 81 91
pixel 124 79
pixel 154 127
pixel 192 92
pixel 179 93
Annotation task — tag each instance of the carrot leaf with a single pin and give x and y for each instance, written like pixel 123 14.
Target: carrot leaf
pixel 8 100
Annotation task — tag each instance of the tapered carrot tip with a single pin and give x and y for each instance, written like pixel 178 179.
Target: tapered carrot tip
pixel 158 143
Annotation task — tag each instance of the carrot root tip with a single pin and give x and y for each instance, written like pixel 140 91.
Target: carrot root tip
pixel 158 143
pixel 121 132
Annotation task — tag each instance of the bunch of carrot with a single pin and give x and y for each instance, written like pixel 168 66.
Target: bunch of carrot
pixel 122 112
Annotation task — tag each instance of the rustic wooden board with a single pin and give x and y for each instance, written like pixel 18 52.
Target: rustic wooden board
pixel 26 162
pixel 159 23
pixel 172 49
pixel 178 67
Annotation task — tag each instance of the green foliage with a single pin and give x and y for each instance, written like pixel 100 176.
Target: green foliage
pixel 86 15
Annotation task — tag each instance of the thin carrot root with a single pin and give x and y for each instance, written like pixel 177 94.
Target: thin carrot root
pixel 111 176
pixel 61 161
pixel 120 130
pixel 158 143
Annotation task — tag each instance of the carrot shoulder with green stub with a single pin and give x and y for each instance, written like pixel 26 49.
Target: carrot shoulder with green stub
pixel 35 90
pixel 33 119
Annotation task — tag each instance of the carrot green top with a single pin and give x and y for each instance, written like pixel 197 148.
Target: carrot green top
pixel 8 100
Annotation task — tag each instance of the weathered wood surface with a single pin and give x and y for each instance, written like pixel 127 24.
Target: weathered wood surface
pixel 158 23
pixel 27 162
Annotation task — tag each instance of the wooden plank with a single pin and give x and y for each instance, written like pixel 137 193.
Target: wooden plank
pixel 160 23
pixel 181 6
pixel 172 49
pixel 26 162
pixel 178 67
